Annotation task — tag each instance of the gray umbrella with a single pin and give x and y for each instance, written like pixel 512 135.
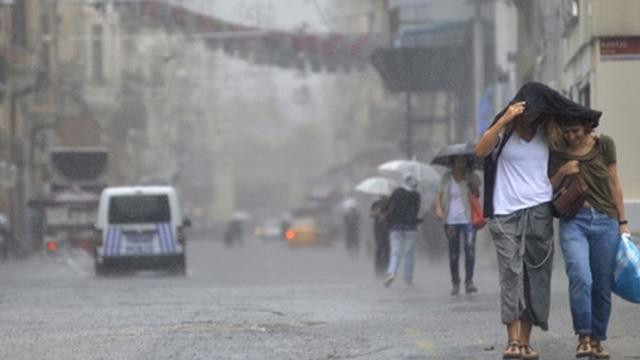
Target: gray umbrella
pixel 446 154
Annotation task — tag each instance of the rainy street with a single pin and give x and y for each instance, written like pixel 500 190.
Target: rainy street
pixel 302 303
pixel 249 179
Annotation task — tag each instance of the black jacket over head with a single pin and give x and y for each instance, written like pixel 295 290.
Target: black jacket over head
pixel 540 99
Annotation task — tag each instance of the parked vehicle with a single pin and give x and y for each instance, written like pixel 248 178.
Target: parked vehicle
pixel 68 206
pixel 140 227
pixel 269 230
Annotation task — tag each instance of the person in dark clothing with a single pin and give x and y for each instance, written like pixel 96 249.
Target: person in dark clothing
pixel 352 229
pixel 233 232
pixel 381 233
pixel 403 209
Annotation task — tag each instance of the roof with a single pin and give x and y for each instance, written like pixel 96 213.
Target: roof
pixel 138 190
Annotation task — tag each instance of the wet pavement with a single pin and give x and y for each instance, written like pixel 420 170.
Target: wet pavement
pixel 265 300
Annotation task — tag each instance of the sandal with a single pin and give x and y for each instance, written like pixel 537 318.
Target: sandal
pixel 512 351
pixel 527 352
pixel 584 348
pixel 598 351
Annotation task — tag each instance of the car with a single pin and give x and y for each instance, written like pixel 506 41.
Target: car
pixel 303 231
pixel 140 227
pixel 269 230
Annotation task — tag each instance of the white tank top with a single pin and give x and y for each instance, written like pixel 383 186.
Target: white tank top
pixel 457 214
pixel 521 177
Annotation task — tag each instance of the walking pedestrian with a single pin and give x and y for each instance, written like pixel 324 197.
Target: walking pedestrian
pixel 453 206
pixel 404 205
pixel 352 229
pixel 517 201
pixel 378 213
pixel 590 238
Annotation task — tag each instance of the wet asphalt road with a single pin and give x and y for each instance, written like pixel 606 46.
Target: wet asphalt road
pixel 265 300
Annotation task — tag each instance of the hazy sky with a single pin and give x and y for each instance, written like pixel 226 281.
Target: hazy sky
pixel 279 14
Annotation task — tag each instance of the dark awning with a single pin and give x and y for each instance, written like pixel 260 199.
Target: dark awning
pixel 422 69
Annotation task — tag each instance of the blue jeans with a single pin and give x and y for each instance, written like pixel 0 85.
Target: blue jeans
pixel 589 242
pixel 466 234
pixel 402 245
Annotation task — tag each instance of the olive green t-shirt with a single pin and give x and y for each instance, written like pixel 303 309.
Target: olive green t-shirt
pixel 594 167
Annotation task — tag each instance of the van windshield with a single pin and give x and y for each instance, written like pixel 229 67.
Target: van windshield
pixel 139 209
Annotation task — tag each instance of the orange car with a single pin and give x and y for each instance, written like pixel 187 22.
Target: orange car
pixel 302 231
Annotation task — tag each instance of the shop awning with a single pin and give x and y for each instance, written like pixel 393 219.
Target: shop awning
pixel 419 69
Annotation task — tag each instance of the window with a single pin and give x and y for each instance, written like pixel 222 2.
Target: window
pixel 46 39
pixel 139 209
pixel 571 12
pixel 584 95
pixel 97 54
pixel 19 23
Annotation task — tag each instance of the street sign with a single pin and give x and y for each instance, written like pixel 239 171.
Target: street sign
pixel 620 48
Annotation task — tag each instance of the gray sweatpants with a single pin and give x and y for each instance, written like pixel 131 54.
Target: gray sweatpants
pixel 524 245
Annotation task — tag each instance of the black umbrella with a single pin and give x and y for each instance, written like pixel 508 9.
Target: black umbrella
pixel 448 152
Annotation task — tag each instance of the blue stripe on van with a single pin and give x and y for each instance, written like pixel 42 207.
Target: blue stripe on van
pixel 119 238
pixel 113 241
pixel 110 241
pixel 164 248
pixel 109 244
pixel 171 238
pixel 166 238
pixel 163 245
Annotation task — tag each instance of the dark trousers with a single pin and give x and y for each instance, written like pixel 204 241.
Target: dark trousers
pixel 466 234
pixel 381 261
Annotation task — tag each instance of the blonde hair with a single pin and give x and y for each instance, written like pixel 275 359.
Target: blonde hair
pixel 553 133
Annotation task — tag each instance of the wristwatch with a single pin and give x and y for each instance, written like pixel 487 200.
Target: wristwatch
pixel 623 222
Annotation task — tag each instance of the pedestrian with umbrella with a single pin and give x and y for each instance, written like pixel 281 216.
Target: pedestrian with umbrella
pixel 453 207
pixel 381 187
pixel 517 198
pixel 403 208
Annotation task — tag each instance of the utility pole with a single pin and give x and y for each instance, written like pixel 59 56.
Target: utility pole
pixel 478 64
pixel 11 156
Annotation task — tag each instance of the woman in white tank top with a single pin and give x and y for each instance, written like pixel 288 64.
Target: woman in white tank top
pixel 521 224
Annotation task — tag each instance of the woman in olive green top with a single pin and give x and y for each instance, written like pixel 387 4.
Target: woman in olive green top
pixel 589 239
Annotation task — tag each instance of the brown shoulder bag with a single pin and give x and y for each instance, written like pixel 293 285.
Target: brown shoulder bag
pixel 570 196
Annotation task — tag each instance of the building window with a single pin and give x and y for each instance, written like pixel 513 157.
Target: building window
pixel 584 95
pixel 46 48
pixel 97 68
pixel 19 24
pixel 571 12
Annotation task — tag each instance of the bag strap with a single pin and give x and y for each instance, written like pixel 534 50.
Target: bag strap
pixel 501 145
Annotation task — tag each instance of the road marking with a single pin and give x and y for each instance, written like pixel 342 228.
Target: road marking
pixel 421 342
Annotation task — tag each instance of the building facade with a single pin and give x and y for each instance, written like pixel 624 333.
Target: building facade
pixel 590 51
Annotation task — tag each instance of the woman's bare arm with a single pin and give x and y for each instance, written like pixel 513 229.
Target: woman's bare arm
pixel 616 188
pixel 439 207
pixel 489 139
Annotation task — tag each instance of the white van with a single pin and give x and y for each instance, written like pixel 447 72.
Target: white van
pixel 140 226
